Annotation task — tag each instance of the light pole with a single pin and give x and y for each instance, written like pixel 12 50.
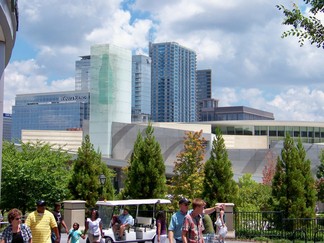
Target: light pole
pixel 102 180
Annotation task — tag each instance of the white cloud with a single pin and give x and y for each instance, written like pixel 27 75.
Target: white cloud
pixel 239 40
pixel 26 77
pixel 118 31
pixel 299 104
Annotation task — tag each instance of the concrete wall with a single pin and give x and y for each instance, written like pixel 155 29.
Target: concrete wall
pixel 69 140
pixel 171 141
pixel 245 142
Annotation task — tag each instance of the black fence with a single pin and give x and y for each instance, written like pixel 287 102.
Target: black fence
pixel 273 225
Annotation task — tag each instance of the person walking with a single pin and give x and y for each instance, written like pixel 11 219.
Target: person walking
pixel 59 220
pixel 16 232
pixel 94 226
pixel 75 234
pixel 161 233
pixel 193 227
pixel 222 228
pixel 41 223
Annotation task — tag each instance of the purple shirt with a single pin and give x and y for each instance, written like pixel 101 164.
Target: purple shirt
pixel 163 226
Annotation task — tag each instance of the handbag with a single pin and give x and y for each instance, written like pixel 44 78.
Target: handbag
pixel 218 222
pixel 223 231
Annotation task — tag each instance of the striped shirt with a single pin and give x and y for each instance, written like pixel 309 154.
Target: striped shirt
pixel 41 225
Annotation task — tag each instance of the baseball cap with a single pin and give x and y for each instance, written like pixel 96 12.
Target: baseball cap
pixel 41 203
pixel 184 200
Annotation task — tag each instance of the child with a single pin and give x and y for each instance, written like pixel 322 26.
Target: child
pixel 75 234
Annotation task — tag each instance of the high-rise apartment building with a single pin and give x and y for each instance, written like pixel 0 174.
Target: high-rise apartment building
pixel 110 93
pixel 82 74
pixel 173 83
pixel 141 88
pixel 203 89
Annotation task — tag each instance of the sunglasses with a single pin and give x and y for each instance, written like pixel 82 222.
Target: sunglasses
pixel 17 218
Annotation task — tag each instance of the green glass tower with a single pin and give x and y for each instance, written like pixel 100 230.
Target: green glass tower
pixel 110 92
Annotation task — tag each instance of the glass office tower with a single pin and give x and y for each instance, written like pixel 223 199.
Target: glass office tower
pixel 204 89
pixel 173 83
pixel 82 74
pixel 7 122
pixel 110 92
pixel 141 88
pixel 49 111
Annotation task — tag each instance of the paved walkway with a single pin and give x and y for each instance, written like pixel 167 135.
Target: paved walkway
pixel 64 240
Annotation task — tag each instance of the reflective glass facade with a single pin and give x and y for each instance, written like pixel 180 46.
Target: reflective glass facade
pixel 216 113
pixel 7 122
pixel 110 92
pixel 204 89
pixel 82 74
pixel 141 88
pixel 49 111
pixel 307 133
pixel 173 83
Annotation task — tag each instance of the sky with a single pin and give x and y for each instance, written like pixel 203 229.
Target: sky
pixel 239 40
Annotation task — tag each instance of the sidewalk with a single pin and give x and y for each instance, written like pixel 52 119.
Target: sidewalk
pixel 64 240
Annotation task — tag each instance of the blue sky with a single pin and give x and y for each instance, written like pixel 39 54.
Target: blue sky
pixel 239 40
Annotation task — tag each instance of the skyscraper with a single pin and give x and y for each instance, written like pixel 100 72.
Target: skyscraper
pixel 141 88
pixel 82 73
pixel 110 93
pixel 204 89
pixel 173 83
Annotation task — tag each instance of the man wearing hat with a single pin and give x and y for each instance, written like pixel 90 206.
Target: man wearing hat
pixel 42 222
pixel 176 222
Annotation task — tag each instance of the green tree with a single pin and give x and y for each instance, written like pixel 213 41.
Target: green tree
pixel 320 178
pixel 188 168
pixel 291 182
pixel 218 183
pixel 33 171
pixel 145 174
pixel 305 26
pixel 253 196
pixel 309 182
pixel 87 167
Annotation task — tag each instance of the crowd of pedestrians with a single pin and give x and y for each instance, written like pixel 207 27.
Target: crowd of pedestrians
pixel 186 226
pixel 41 226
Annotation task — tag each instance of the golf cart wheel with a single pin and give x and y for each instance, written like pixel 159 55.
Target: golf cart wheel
pixel 153 239
pixel 108 240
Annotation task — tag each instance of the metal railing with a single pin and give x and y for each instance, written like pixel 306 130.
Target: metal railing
pixel 273 225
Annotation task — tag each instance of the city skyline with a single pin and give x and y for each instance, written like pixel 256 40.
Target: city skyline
pixel 241 42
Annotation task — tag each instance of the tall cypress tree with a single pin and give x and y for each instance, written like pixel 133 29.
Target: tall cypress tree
pixel 309 183
pixel 84 184
pixel 219 185
pixel 145 175
pixel 320 178
pixel 292 187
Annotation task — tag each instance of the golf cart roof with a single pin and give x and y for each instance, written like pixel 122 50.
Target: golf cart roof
pixel 133 202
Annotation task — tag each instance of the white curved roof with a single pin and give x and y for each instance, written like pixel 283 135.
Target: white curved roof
pixel 133 202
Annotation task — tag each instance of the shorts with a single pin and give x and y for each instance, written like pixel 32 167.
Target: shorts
pixel 92 238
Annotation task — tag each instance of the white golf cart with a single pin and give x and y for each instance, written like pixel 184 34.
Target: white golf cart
pixel 144 228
